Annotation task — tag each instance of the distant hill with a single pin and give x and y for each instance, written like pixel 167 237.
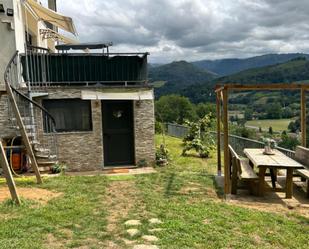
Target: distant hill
pixel 292 71
pixel 177 76
pixel 231 66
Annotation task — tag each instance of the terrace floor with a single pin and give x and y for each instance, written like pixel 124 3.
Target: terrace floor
pixel 272 201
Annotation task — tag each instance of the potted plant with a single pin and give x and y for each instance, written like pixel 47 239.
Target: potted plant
pixel 269 146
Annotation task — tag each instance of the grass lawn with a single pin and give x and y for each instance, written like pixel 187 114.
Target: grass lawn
pixel 91 212
pixel 276 124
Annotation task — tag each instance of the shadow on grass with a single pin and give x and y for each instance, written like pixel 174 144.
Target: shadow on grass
pixel 169 187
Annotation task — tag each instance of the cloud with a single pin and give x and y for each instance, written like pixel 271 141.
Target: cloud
pixel 193 29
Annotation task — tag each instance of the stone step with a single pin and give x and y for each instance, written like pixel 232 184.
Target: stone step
pixel 27 127
pixel 44 169
pixel 45 156
pixel 42 162
pixel 24 119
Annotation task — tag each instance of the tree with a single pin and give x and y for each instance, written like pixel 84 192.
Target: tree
pixel 288 142
pixel 174 108
pixel 274 111
pixel 203 109
pixel 248 114
pixel 198 137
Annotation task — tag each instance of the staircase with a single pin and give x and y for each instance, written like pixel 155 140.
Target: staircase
pixel 32 121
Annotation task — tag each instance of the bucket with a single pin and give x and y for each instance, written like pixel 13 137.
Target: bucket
pixel 16 161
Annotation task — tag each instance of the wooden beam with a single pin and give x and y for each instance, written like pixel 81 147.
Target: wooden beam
pixel 303 118
pixel 227 173
pixel 273 86
pixel 24 135
pixel 8 175
pixel 218 102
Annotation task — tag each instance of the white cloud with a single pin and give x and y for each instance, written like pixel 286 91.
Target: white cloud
pixel 193 29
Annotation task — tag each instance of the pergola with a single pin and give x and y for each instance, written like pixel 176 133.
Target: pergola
pixel 222 94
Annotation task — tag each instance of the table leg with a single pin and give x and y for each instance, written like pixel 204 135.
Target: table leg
pixel 289 183
pixel 262 171
pixel 273 174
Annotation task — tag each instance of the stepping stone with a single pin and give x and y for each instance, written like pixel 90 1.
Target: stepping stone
pixel 155 221
pixel 155 230
pixel 150 238
pixel 145 247
pixel 132 232
pixel 132 223
pixel 129 242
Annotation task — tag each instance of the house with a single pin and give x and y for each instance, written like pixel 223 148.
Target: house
pixel 90 110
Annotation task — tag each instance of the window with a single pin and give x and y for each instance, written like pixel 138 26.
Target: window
pixel 70 114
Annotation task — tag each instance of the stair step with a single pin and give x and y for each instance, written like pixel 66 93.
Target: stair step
pixel 42 169
pixel 28 127
pixel 45 156
pixel 41 150
pixel 25 119
pixel 45 163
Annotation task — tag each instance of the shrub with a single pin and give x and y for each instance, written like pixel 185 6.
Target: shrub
pixel 162 155
pixel 58 168
pixel 198 137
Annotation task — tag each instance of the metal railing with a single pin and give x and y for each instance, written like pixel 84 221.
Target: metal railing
pixel 41 68
pixel 32 114
pixel 237 142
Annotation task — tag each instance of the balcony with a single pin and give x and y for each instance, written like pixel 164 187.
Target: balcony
pixel 54 69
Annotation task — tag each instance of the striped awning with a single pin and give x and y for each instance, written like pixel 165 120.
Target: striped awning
pixel 48 15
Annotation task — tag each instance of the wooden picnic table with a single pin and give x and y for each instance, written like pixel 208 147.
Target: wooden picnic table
pixel 273 162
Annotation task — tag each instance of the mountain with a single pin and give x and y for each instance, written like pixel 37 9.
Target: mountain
pixel 175 76
pixel 230 66
pixel 292 71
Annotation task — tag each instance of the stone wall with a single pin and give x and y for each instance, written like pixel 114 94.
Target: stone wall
pixel 6 130
pixel 144 131
pixel 83 151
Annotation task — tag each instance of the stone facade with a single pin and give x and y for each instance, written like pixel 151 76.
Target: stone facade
pixel 83 151
pixel 144 128
pixel 6 129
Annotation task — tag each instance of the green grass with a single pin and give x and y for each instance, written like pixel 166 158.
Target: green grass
pixel 276 124
pixel 92 210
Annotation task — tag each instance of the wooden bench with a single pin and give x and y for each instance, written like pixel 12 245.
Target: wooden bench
pixel 242 171
pixel 302 156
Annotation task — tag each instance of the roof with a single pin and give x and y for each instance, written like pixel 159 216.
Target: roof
pixel 83 46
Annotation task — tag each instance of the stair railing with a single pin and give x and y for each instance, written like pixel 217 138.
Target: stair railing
pixel 36 125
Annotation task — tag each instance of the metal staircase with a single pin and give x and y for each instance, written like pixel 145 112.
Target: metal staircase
pixel 31 120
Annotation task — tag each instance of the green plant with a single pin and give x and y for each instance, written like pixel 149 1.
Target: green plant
pixel 142 163
pixel 58 168
pixel 198 137
pixel 162 155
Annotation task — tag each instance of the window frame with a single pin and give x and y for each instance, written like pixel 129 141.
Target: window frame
pixel 68 130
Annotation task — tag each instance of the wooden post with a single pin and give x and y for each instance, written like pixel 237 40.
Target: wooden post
pixel 227 173
pixel 218 102
pixel 303 118
pixel 24 135
pixel 8 176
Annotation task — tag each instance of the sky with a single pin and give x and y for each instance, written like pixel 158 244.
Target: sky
pixel 193 29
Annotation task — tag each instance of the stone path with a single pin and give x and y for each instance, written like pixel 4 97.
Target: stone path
pixel 133 231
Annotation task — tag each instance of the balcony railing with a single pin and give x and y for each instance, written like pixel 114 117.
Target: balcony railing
pixel 40 67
